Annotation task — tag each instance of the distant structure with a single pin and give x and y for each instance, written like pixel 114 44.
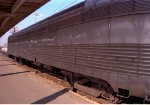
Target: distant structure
pixel 4 48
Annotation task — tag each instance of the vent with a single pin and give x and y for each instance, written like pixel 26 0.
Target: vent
pixel 121 8
pixel 111 8
pixel 89 4
pixel 101 12
pixel 123 92
pixel 103 2
pixel 142 5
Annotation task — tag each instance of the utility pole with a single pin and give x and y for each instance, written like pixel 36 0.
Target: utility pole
pixel 36 16
pixel 14 30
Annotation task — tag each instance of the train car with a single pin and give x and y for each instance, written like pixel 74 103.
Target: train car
pixel 101 46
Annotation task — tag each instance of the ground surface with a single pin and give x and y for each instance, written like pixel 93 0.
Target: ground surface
pixel 20 86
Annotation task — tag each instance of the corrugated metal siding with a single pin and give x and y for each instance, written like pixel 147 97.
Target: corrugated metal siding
pixel 131 59
pixel 57 53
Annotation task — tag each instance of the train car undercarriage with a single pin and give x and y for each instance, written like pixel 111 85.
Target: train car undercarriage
pixel 89 86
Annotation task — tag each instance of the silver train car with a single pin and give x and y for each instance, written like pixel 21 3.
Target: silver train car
pixel 103 45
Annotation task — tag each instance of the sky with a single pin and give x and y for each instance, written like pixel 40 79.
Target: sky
pixel 50 8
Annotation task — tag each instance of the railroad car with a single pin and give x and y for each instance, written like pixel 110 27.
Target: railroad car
pixel 101 46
